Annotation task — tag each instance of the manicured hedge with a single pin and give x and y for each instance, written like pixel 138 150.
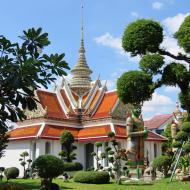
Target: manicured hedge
pixel 93 177
pixel 72 166
pixel 11 173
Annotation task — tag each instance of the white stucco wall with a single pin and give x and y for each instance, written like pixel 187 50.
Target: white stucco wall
pixel 12 154
pixel 149 146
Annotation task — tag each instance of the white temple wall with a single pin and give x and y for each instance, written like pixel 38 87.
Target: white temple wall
pixel 12 154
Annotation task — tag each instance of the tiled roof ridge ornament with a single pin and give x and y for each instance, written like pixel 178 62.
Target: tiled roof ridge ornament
pixel 81 80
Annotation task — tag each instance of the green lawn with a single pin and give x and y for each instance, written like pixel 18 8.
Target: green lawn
pixel 160 185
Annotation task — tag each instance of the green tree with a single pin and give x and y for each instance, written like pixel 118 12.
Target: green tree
pixel 144 37
pixel 67 140
pixel 24 68
pixel 23 162
pixel 116 156
pixel 48 167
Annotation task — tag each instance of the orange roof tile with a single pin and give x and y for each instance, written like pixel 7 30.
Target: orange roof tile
pixel 120 130
pixel 94 99
pixel 65 98
pixel 106 104
pixel 24 132
pixel 49 100
pixel 96 131
pixel 84 97
pixel 51 131
pixel 75 96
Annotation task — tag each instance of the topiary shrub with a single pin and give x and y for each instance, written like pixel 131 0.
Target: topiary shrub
pixel 11 173
pixel 162 163
pixel 8 186
pixel 181 136
pixel 48 167
pixel 72 166
pixel 176 144
pixel 92 177
pixel 186 127
pixel 186 148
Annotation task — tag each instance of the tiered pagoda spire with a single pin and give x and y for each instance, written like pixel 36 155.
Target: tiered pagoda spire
pixel 81 80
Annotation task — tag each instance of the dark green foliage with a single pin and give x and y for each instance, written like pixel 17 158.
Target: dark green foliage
pixel 184 100
pixel 92 177
pixel 67 140
pixel 186 148
pixel 151 63
pixel 176 74
pixel 131 85
pixel 186 127
pixel 48 166
pixel 3 140
pixel 23 69
pixel 176 144
pixel 183 35
pixel 8 186
pixel 98 143
pixel 111 134
pixel 11 173
pixel 142 36
pixel 72 166
pixel 181 136
pixel 162 163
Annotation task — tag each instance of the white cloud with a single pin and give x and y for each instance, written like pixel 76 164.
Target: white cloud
pixel 115 43
pixel 171 89
pixel 160 104
pixel 108 40
pixel 134 14
pixel 172 24
pixel 157 5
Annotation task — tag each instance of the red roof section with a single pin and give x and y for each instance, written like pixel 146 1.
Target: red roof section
pixel 120 131
pixel 52 131
pixel 157 121
pixel 94 131
pixel 155 137
pixel 86 134
pixel 106 105
pixel 24 132
pixel 65 99
pixel 49 100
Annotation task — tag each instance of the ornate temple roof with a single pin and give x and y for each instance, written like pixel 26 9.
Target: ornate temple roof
pixel 92 133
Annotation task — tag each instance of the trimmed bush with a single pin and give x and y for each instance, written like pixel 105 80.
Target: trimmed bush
pixel 92 177
pixel 186 127
pixel 72 166
pixel 176 144
pixel 181 136
pixel 11 173
pixel 162 163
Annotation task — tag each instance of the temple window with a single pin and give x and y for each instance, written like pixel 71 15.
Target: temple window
pixel 34 152
pixel 47 148
pixel 155 150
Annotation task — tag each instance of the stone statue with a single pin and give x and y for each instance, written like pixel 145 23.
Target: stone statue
pixel 135 138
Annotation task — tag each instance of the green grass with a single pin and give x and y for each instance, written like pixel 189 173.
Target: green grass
pixel 30 184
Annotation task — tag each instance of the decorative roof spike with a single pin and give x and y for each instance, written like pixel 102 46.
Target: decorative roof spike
pixel 80 82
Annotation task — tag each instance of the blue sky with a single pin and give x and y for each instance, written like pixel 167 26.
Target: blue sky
pixel 105 21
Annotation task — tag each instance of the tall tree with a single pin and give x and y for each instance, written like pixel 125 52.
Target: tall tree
pixel 23 69
pixel 144 37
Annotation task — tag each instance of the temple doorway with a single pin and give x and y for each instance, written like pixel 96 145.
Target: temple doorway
pixel 89 148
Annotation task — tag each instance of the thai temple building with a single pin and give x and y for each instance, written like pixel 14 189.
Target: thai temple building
pixel 89 111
